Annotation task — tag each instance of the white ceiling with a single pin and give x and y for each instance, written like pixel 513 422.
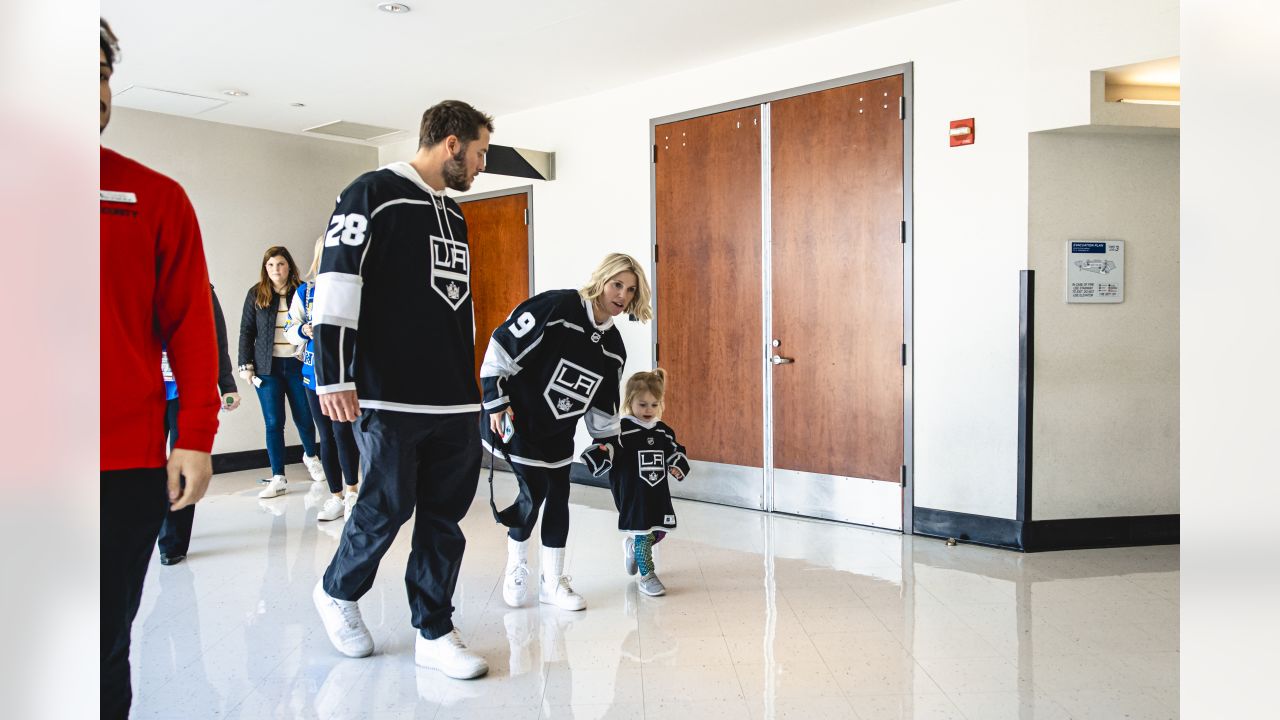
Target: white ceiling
pixel 346 60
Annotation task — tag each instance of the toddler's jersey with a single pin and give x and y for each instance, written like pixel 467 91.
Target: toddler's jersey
pixel 643 455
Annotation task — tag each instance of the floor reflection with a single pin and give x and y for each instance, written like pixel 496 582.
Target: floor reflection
pixel 765 617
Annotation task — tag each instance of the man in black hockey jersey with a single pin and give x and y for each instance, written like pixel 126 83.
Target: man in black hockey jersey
pixel 395 353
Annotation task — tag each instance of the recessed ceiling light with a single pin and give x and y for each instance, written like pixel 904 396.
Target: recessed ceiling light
pixel 235 93
pixel 393 7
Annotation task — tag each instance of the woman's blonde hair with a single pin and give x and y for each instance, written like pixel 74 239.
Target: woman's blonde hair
pixel 613 264
pixel 652 381
pixel 314 270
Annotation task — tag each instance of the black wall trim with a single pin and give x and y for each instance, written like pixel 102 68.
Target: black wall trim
pixel 1026 387
pixel 976 529
pixel 1042 535
pixel 504 160
pixel 252 459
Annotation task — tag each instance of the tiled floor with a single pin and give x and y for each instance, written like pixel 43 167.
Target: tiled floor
pixel 765 617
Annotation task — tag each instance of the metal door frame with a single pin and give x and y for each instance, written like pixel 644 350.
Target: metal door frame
pixel 747 497
pixel 526 190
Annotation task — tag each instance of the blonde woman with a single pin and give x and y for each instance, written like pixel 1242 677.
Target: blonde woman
pixel 338 452
pixel 557 358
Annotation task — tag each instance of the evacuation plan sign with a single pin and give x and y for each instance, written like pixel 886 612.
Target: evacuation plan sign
pixel 1095 271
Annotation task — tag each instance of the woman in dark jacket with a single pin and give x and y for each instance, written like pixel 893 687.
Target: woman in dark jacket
pixel 267 359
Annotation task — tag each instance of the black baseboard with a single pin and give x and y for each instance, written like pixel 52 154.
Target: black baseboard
pixel 252 459
pixel 1043 535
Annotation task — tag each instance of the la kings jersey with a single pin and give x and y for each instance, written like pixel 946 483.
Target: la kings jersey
pixel 643 455
pixel 392 313
pixel 553 364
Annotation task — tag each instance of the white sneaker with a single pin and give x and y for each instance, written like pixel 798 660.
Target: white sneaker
pixel 515 586
pixel 332 510
pixel 449 655
pixel 278 486
pixel 556 591
pixel 314 467
pixel 343 623
pixel 349 503
pixel 629 555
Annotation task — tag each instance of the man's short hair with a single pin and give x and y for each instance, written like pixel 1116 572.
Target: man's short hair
pixel 108 42
pixel 452 117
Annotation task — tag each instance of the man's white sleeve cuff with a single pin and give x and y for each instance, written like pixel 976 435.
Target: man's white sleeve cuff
pixel 340 387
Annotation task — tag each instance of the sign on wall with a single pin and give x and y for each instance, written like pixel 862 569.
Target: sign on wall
pixel 1095 271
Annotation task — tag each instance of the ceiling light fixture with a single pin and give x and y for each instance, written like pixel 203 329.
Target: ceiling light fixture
pixel 1141 101
pixel 235 93
pixel 394 8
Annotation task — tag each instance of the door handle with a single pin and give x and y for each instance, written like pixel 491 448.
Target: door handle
pixel 779 360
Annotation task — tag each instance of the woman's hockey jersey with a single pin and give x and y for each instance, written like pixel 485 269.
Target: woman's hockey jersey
pixel 392 314
pixel 552 363
pixel 643 455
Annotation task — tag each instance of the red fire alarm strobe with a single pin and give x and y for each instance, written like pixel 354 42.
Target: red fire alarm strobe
pixel 961 132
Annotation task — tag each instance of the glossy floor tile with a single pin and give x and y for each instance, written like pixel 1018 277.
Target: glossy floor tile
pixel 765 617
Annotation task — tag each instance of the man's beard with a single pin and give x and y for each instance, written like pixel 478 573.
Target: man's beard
pixel 455 172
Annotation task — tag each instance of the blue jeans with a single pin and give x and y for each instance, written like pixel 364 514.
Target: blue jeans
pixel 285 381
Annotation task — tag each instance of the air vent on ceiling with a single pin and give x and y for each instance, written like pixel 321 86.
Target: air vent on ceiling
pixel 164 101
pixel 355 131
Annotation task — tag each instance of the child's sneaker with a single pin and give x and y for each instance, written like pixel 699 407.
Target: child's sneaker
pixel 650 585
pixel 629 555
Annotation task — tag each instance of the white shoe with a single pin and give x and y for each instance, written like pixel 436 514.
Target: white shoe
pixel 449 655
pixel 314 467
pixel 278 486
pixel 349 503
pixel 629 555
pixel 515 586
pixel 515 580
pixel 556 591
pixel 554 588
pixel 332 510
pixel 343 623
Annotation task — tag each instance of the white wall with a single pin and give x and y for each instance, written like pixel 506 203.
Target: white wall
pixel 972 59
pixel 1230 344
pixel 1105 423
pixel 251 189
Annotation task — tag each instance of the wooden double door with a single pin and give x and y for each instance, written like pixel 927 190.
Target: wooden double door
pixel 780 250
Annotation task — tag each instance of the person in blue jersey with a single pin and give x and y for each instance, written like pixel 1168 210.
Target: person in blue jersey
pixel 175 533
pixel 556 359
pixel 338 452
pixel 395 353
pixel 644 455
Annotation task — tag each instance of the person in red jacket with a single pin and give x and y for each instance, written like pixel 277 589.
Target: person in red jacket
pixel 155 292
